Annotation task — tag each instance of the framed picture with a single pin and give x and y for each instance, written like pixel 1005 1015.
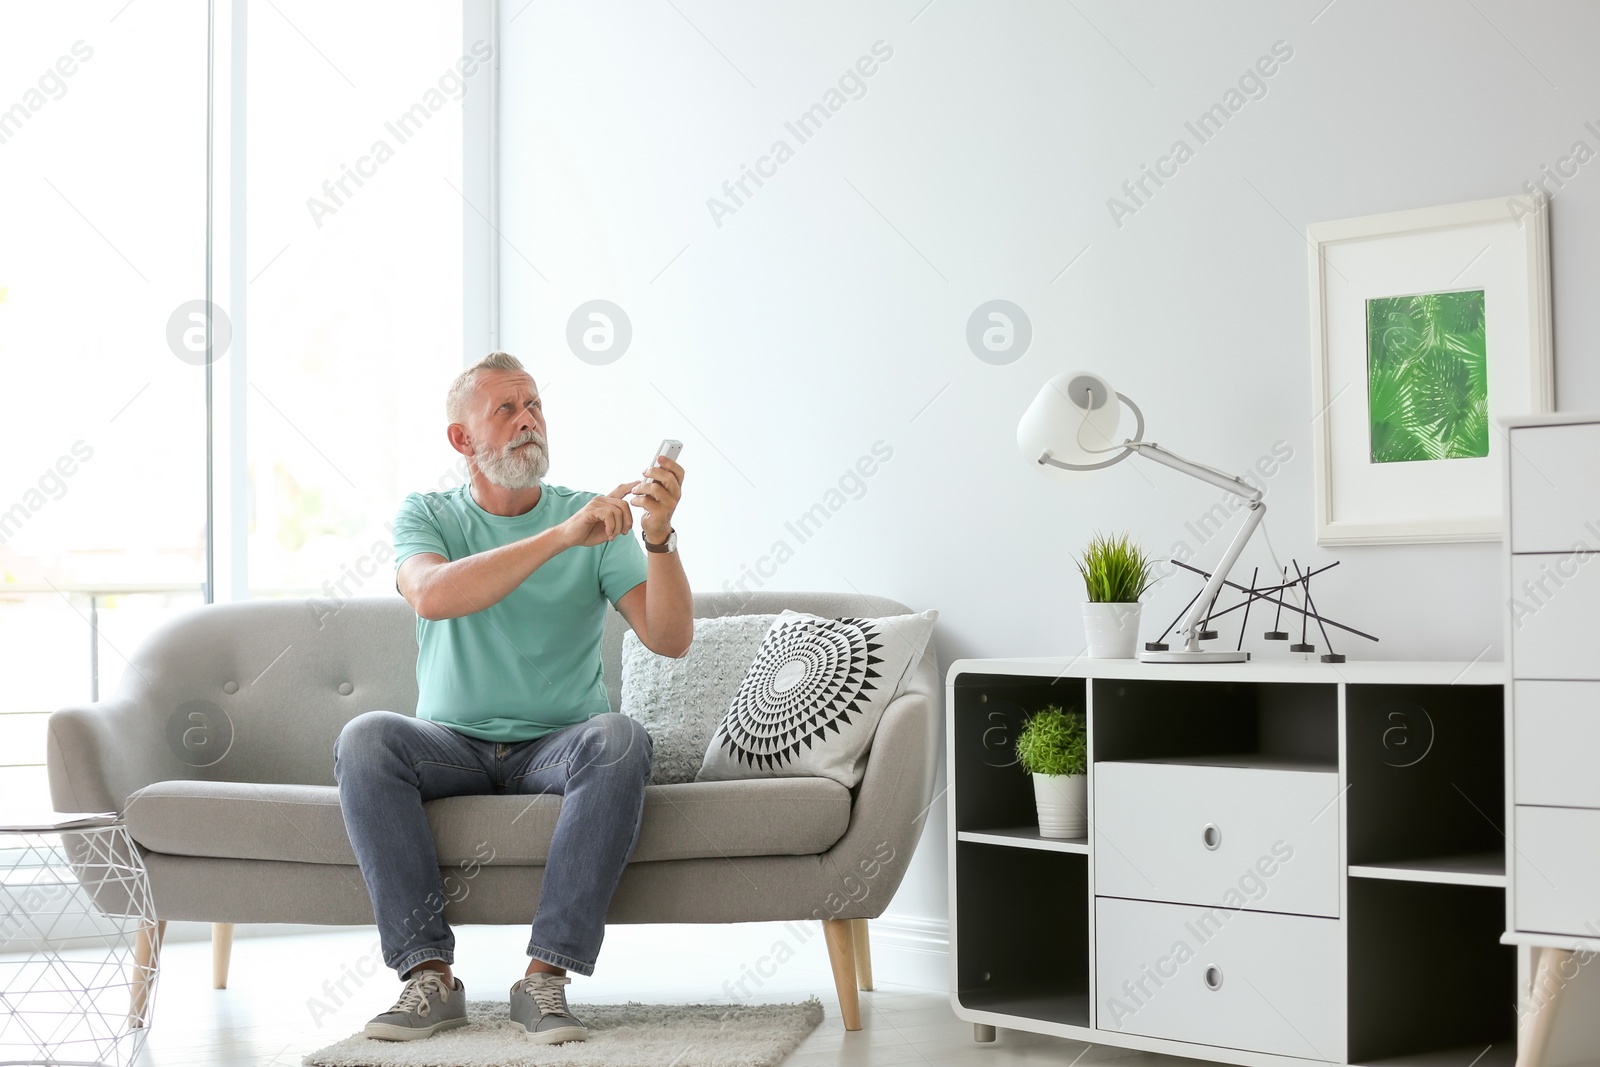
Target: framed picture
pixel 1427 326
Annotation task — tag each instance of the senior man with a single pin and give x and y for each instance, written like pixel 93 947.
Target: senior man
pixel 509 576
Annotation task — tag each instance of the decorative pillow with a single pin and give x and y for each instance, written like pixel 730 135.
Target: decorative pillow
pixel 813 697
pixel 680 701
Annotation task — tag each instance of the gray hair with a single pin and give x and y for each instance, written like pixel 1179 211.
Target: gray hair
pixel 460 394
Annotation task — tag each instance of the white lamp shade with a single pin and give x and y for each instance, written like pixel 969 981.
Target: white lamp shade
pixel 1074 418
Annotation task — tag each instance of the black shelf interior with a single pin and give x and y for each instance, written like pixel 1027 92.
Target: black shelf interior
pixel 991 789
pixel 1022 923
pixel 1175 720
pixel 1426 770
pixel 1427 971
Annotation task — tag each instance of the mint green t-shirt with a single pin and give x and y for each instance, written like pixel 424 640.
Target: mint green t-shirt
pixel 530 664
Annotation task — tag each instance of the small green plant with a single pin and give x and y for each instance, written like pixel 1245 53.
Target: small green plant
pixel 1114 569
pixel 1053 742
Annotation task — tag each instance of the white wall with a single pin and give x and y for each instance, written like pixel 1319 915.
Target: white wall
pixel 828 312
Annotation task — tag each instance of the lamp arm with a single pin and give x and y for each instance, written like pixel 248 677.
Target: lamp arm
pixel 1190 632
pixel 1223 480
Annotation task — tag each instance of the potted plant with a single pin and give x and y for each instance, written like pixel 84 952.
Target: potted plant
pixel 1116 572
pixel 1054 749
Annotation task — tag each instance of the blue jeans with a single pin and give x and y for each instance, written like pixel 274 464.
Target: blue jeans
pixel 388 764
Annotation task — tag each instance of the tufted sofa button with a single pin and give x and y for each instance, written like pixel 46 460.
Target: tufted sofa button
pixel 230 687
pixel 345 689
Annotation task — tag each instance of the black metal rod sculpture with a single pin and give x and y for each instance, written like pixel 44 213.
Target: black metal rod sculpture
pixel 1246 620
pixel 1277 633
pixel 1272 594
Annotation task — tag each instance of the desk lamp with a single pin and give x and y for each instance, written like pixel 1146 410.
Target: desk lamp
pixel 1072 424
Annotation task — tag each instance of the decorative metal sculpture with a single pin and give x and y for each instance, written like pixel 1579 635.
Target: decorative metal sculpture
pixel 1272 594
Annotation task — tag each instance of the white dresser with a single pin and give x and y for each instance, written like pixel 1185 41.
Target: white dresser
pixel 1552 616
pixel 1289 862
pixel 1553 702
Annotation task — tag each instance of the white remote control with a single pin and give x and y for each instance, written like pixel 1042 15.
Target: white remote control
pixel 669 448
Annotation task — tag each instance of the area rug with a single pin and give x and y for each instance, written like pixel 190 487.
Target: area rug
pixel 620 1035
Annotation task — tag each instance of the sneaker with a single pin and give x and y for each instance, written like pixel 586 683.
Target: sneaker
pixel 539 1006
pixel 426 1005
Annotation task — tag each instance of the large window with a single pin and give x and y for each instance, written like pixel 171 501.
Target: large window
pixel 345 202
pixel 102 489
pixel 355 213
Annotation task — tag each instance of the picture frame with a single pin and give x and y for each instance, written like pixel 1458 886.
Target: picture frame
pixel 1427 326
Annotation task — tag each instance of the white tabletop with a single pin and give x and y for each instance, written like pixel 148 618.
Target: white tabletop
pixel 44 822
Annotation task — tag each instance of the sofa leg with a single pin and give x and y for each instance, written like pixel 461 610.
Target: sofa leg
pixel 221 952
pixel 842 954
pixel 858 934
pixel 1542 1001
pixel 146 958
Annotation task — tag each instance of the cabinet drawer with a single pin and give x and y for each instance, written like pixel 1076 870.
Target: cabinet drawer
pixel 1557 876
pixel 1554 602
pixel 1238 979
pixel 1555 487
pixel 1229 836
pixel 1556 732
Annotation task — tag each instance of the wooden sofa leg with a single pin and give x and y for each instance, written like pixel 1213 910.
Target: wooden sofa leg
pixel 863 947
pixel 1543 1001
pixel 221 952
pixel 842 954
pixel 146 956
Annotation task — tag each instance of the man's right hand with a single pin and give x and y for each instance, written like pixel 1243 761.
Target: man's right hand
pixel 601 519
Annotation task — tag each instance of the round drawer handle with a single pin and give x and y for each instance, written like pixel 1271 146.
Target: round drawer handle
pixel 1211 837
pixel 1213 978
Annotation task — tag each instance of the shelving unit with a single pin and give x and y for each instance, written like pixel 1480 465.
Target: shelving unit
pixel 1428 974
pixel 1551 807
pixel 1319 839
pixel 1024 897
pixel 1426 773
pixel 1027 909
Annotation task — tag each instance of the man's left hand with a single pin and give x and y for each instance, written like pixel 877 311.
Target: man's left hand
pixel 658 498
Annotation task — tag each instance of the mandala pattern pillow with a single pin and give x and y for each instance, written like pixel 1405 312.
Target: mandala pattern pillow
pixel 679 702
pixel 811 701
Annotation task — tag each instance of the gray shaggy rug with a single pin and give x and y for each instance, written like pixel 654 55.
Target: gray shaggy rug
pixel 620 1035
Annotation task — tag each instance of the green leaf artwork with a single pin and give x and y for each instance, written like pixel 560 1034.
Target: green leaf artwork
pixel 1427 377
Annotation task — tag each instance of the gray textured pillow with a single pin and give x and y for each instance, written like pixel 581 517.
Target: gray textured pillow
pixel 812 700
pixel 680 701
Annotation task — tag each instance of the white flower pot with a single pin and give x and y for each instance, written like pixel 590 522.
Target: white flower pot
pixel 1112 630
pixel 1063 801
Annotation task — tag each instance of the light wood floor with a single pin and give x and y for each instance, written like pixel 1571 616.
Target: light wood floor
pixel 266 1018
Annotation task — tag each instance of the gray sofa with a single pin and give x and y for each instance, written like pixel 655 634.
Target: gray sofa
pixel 219 750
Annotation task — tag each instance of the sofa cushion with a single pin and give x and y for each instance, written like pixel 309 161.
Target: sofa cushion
pixel 811 676
pixel 303 823
pixel 680 702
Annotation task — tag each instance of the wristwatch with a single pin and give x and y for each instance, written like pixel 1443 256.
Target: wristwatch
pixel 669 545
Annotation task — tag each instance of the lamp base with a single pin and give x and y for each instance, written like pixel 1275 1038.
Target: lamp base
pixel 1224 655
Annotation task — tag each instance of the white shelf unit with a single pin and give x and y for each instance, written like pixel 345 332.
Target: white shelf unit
pixel 1353 813
pixel 1553 703
pixel 1552 722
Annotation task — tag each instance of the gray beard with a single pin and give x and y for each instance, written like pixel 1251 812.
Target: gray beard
pixel 519 469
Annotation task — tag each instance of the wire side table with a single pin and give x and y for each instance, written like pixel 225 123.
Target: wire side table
pixel 79 942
